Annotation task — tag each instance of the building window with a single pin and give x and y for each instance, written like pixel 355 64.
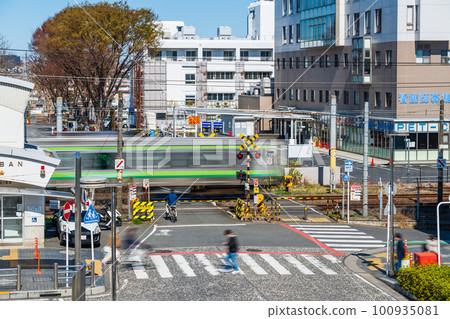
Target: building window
pixel 189 100
pixel 305 62
pixel 284 94
pixel 284 63
pixel 291 94
pixel 321 61
pixel 423 56
pixel 291 63
pixel 257 75
pixel 327 96
pixel 284 36
pixel 388 99
pixel 221 96
pixel 312 62
pixel 220 76
pixel 298 34
pixel 389 57
pixel 445 57
pixel 278 94
pixel 313 96
pixel 297 95
pixel 155 56
pixel 291 6
pixel 346 60
pixel 378 58
pixel 291 34
pixel 278 64
pixel 171 55
pixel 297 62
pixel 367 22
pixel 336 94
pixel 284 7
pixel 378 21
pixel 356 24
pixel 377 99
pixel 191 55
pixel 207 55
pixel 337 58
pixel 189 78
pixel 410 18
pixel 366 97
pixel 417 17
pixel 305 95
pixel 244 55
pixel 327 61
pixel 356 97
pixel 345 97
pixel 347 26
pixel 266 55
pixel 228 55
pixel 320 96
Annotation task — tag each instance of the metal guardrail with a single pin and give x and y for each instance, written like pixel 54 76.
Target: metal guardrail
pixel 11 275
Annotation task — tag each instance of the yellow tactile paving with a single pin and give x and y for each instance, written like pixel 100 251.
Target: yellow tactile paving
pixel 13 257
pixel 319 220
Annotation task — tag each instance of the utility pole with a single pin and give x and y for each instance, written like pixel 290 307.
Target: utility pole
pixel 333 145
pixel 77 239
pixel 119 151
pixel 391 210
pixel 174 121
pixel 365 208
pixel 248 177
pixel 441 151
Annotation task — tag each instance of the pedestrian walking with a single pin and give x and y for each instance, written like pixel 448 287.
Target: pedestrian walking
pixel 400 250
pixel 108 249
pixel 432 244
pixel 232 243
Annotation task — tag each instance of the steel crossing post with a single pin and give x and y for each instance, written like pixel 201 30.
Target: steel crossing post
pixel 248 177
pixel 441 152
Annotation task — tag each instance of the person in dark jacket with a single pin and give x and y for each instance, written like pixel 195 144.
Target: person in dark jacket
pixel 232 249
pixel 400 250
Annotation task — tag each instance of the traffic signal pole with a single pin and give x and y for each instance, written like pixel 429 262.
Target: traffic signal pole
pixel 248 177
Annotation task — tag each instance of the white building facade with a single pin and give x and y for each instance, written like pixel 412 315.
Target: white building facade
pixel 209 72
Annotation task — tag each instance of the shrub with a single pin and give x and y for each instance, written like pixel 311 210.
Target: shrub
pixel 426 283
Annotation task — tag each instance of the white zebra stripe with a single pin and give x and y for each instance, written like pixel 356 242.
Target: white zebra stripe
pixel 222 260
pixel 257 269
pixel 297 264
pixel 319 265
pixel 333 259
pixel 351 241
pixel 161 267
pixel 343 236
pixel 275 264
pixel 207 264
pixel 183 264
pixel 356 245
pixel 318 226
pixel 334 233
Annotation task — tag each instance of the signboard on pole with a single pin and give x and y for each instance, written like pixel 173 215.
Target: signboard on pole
pixel 218 127
pixel 441 163
pixel 145 183
pixel 119 164
pixel 194 120
pixel 91 216
pixel 346 177
pixel 356 193
pixel 206 126
pixel 133 192
pixel 348 166
pixel 67 209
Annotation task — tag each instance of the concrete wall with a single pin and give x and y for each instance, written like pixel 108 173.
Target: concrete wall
pixel 34 220
pixel 316 175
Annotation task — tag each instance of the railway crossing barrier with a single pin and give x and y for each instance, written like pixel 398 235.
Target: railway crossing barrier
pixel 260 212
pixel 143 211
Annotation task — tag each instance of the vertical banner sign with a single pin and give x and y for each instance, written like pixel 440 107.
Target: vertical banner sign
pixel 132 192
pixel 356 193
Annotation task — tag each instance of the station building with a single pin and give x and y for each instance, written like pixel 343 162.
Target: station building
pixel 394 55
pixel 25 170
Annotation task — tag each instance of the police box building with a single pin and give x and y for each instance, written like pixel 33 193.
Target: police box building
pixel 395 55
pixel 25 170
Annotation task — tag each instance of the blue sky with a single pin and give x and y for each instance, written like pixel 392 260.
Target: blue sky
pixel 20 18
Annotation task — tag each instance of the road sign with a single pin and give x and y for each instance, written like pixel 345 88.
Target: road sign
pixel 387 189
pixel 388 208
pixel 194 120
pixel 119 164
pixel 348 166
pixel 255 182
pixel 355 193
pixel 346 177
pixel 206 126
pixel 145 183
pixel 218 126
pixel 67 209
pixel 256 190
pixel 441 162
pixel 91 216
pixel 133 192
pixel 249 142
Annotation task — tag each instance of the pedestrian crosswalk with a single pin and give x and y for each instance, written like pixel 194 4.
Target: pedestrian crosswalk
pixel 259 264
pixel 340 237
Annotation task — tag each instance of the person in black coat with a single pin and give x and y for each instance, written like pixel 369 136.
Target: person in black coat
pixel 400 250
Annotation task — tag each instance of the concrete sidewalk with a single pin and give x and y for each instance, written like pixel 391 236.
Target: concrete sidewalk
pixel 37 285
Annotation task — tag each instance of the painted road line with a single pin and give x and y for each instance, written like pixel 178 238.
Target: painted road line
pixel 184 266
pixel 222 260
pixel 297 264
pixel 312 230
pixel 139 270
pixel 357 245
pixel 333 259
pixel 161 267
pixel 275 264
pixel 335 233
pixel 318 226
pixel 315 262
pixel 207 264
pixel 351 241
pixel 344 236
pixel 202 225
pixel 257 269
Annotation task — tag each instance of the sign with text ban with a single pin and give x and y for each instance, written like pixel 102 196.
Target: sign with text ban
pixel 119 164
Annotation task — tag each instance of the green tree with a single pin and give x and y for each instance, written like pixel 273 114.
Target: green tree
pixel 96 46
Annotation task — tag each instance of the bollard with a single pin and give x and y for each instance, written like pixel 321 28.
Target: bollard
pixel 92 273
pixel 305 216
pixel 35 248
pixel 55 276
pixel 406 246
pixel 39 263
pixel 328 210
pixel 411 258
pixel 19 278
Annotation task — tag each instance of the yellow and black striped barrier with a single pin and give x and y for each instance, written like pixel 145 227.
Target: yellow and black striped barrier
pixel 303 198
pixel 240 208
pixel 143 211
pixel 249 142
pixel 197 201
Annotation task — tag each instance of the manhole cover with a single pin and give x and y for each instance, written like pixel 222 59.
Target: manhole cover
pixel 254 250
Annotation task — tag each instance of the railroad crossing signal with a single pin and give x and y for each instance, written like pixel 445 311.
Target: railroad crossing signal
pixel 249 142
pixel 241 175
